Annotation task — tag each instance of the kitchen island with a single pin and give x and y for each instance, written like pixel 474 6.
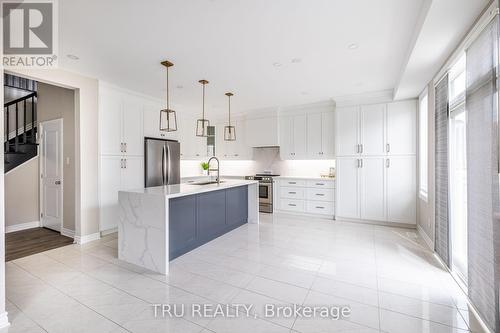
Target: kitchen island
pixel 158 224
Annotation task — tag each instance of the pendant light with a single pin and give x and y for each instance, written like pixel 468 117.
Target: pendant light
pixel 168 118
pixel 229 131
pixel 202 124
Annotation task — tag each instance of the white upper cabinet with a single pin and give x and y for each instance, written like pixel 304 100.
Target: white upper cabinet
pixel 293 137
pixel 133 137
pixel 401 128
pixel 110 114
pixel 232 150
pixel 314 135
pixel 347 131
pixel 372 138
pixel 121 122
pixel 307 136
pixel 328 135
pixel 262 132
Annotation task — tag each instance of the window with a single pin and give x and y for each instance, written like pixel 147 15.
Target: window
pixel 422 144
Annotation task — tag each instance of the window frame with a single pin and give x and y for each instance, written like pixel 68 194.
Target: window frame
pixel 423 145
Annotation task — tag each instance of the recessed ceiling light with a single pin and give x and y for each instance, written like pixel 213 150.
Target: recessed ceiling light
pixel 277 64
pixel 72 57
pixel 296 60
pixel 353 46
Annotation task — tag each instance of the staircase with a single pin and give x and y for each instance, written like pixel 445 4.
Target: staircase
pixel 20 121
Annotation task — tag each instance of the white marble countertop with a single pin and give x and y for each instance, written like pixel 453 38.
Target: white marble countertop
pixel 306 178
pixel 179 190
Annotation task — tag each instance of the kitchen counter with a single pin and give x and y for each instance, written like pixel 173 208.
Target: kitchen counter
pixel 179 190
pixel 158 224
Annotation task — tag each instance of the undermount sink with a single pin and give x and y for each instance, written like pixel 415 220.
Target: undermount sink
pixel 206 182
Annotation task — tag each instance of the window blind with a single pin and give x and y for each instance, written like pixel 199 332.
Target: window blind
pixel 442 236
pixel 482 175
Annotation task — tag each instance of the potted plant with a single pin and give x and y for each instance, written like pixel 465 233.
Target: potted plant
pixel 204 167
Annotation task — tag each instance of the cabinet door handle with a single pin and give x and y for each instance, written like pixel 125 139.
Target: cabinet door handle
pixel 357 160
pixel 124 163
pixel 125 144
pixel 319 207
pixel 121 163
pixel 357 149
pixel 121 147
pixel 292 182
pixel 320 194
pixel 292 192
pixel 361 148
pixel 320 184
pixel 387 148
pixel 293 205
pixel 387 163
pixel 361 163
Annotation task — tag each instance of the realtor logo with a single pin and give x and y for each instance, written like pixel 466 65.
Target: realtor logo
pixel 29 33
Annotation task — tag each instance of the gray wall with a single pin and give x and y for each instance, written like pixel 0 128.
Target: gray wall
pixel 21 189
pixel 425 209
pixel 54 103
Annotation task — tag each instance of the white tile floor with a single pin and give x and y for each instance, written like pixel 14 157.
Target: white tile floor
pixel 388 278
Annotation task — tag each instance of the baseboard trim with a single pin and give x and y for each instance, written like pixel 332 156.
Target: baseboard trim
pixel 425 237
pixel 109 231
pixel 380 223
pixel 4 320
pixel 22 226
pixel 67 232
pixel 303 214
pixel 87 238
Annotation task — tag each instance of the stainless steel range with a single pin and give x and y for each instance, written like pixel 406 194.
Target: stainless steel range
pixel 266 183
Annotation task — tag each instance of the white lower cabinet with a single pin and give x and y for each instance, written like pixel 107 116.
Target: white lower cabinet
pixel 372 189
pixel 347 183
pixel 118 173
pixel 377 189
pixel 401 189
pixel 306 196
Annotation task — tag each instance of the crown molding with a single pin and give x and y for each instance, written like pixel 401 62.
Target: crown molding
pixel 382 96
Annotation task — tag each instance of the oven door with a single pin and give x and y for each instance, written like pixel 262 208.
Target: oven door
pixel 266 193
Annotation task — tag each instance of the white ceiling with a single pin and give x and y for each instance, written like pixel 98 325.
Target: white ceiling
pixel 234 44
pixel 444 26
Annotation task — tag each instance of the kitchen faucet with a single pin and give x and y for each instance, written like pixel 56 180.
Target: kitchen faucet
pixel 218 167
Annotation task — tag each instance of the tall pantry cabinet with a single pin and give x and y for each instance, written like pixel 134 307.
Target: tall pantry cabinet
pixel 376 162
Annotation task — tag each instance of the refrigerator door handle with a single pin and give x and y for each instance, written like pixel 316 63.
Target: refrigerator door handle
pixel 163 165
pixel 168 163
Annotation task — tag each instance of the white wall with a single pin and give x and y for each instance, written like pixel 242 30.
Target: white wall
pixel 86 142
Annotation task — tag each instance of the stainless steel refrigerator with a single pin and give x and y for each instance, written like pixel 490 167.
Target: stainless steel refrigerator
pixel 162 160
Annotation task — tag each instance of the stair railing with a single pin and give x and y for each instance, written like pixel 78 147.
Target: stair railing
pixel 32 137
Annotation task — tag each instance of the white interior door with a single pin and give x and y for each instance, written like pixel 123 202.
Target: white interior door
pixel 347 130
pixel 51 172
pixel 347 188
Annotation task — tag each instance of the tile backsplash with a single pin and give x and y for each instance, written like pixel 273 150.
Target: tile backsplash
pixel 264 159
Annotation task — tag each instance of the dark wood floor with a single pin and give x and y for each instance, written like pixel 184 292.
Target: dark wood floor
pixel 27 242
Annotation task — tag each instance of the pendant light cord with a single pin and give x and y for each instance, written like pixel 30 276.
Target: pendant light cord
pixel 229 110
pixel 168 106
pixel 203 108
